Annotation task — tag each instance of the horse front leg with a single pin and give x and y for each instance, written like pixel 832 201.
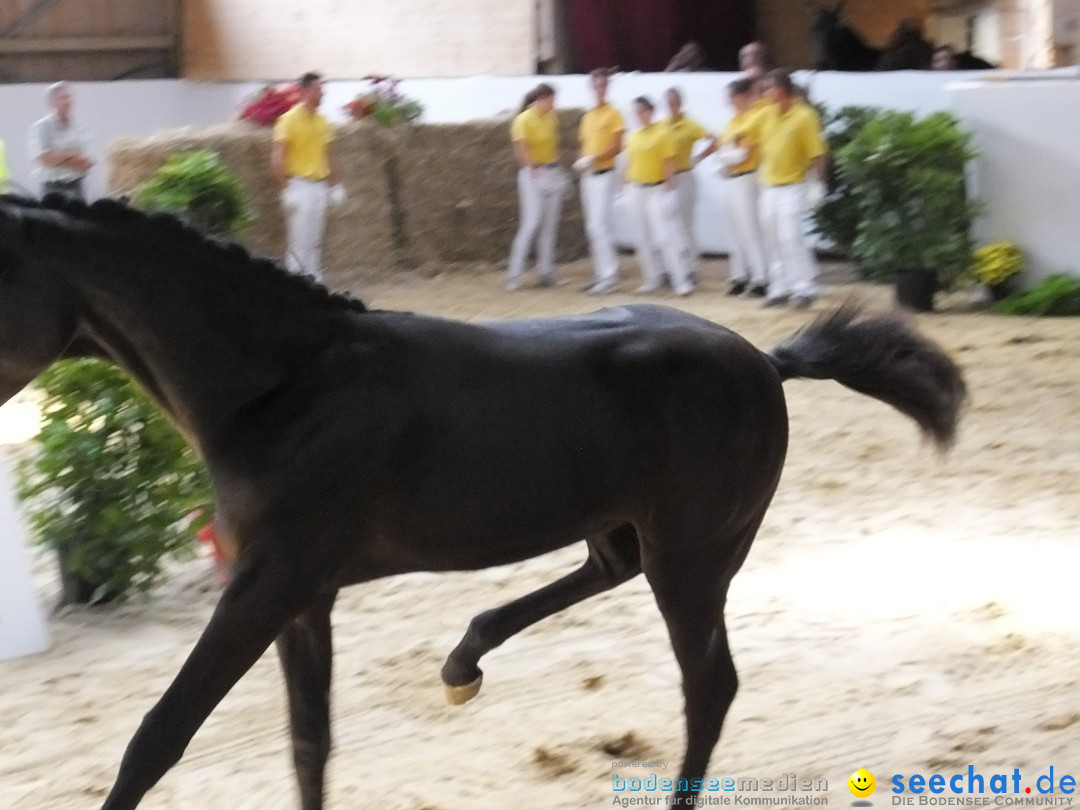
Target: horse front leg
pixel 261 599
pixel 305 649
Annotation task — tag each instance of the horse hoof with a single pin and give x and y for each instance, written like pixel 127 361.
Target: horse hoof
pixel 456 695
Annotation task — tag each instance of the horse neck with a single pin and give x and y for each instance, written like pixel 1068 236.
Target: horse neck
pixel 204 341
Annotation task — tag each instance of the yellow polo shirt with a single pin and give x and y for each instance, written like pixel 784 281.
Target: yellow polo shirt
pixel 647 149
pixel 735 126
pixel 539 132
pixel 307 136
pixel 789 142
pixel 686 132
pixel 599 129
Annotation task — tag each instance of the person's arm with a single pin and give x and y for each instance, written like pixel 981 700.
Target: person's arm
pixel 708 150
pixel 521 154
pixel 612 151
pixel 821 167
pixel 669 172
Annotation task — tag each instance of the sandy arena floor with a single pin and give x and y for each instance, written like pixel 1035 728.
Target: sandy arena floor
pixel 900 611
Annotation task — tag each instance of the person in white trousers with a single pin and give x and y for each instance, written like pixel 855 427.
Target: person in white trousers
pixel 541 185
pixel 654 204
pixel 789 135
pixel 600 135
pixel 738 167
pixel 301 165
pixel 686 132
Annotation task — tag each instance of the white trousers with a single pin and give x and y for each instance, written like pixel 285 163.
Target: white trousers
pixel 305 203
pixel 686 189
pixel 654 212
pixel 746 251
pixel 597 195
pixel 540 196
pixel 792 266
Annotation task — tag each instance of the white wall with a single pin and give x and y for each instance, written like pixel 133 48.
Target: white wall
pixel 245 39
pixel 1028 169
pixel 115 109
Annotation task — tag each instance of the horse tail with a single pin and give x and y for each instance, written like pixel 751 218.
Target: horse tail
pixel 884 357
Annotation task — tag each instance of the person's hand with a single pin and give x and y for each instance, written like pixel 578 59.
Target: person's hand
pixel 731 155
pixel 815 194
pixel 584 163
pixel 336 196
pixel 288 197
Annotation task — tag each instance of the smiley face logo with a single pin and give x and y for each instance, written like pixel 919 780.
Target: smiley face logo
pixel 862 783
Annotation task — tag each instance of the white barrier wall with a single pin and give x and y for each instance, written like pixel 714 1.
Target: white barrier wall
pixel 1028 169
pixel 22 626
pixel 115 109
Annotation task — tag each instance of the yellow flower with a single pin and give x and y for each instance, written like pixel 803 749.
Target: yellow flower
pixel 994 263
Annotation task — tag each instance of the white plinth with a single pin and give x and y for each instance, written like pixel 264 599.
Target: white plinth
pixel 22 625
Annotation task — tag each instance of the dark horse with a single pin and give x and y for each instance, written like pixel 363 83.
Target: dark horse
pixel 347 444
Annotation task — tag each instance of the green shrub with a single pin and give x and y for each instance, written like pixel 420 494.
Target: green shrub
pixel 907 178
pixel 198 187
pixel 1058 294
pixel 111 483
pixel 837 219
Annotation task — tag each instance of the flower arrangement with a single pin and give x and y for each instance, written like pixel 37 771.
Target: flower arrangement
pixel 384 103
pixel 270 103
pixel 997 263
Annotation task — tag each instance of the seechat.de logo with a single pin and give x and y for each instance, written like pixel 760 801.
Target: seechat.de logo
pixel 862 784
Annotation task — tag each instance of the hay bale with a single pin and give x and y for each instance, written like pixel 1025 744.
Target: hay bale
pixel 459 192
pixel 418 196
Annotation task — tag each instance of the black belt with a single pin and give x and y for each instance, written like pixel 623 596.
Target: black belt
pixel 739 174
pixel 546 165
pixel 604 171
pixel 650 185
pixel 783 185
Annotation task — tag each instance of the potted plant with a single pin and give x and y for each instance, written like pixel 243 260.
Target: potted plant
pixel 198 187
pixel 996 266
pixel 384 103
pixel 907 179
pixel 111 486
pixel 837 218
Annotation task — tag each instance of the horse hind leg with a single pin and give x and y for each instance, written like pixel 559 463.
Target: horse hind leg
pixel 614 558
pixel 305 650
pixel 690 592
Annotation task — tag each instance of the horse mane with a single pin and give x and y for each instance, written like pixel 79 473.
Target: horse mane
pixel 171 232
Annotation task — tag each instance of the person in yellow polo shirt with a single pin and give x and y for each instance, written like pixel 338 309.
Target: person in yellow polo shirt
pixel 746 251
pixel 541 184
pixel 686 132
pixel 652 180
pixel 792 174
pixel 600 135
pixel 301 165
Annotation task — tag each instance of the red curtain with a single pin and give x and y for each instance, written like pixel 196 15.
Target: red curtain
pixel 645 34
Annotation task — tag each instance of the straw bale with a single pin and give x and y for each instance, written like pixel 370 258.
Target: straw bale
pixel 459 192
pixel 417 197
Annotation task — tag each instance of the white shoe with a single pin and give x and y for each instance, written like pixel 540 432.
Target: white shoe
pixel 645 289
pixel 602 287
pixel 684 289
